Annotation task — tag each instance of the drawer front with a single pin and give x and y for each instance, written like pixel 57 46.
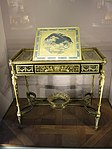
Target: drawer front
pixel 24 69
pixel 73 68
pixel 89 68
pixel 58 68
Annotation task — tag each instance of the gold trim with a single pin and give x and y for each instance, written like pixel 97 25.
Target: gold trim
pixel 73 68
pixel 87 68
pixel 58 100
pixel 25 69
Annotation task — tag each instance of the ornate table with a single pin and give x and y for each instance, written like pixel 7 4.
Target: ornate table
pixel 92 63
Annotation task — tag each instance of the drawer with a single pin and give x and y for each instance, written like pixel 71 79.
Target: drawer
pixel 89 68
pixel 61 68
pixel 24 69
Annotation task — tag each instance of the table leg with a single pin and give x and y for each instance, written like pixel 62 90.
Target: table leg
pixel 101 86
pixel 15 86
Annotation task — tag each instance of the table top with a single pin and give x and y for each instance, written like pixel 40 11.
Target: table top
pixel 89 55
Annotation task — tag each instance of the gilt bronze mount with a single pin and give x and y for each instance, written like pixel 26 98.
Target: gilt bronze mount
pixel 58 100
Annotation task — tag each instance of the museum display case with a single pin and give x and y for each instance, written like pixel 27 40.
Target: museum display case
pixel 19 20
pixel 46 59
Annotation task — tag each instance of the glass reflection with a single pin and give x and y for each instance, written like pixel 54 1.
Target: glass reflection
pixel 19 18
pixel 104 8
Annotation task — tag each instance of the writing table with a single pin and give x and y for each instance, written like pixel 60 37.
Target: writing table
pixel 92 63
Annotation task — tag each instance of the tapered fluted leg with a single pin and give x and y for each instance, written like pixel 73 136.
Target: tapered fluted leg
pixel 15 86
pixel 101 86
